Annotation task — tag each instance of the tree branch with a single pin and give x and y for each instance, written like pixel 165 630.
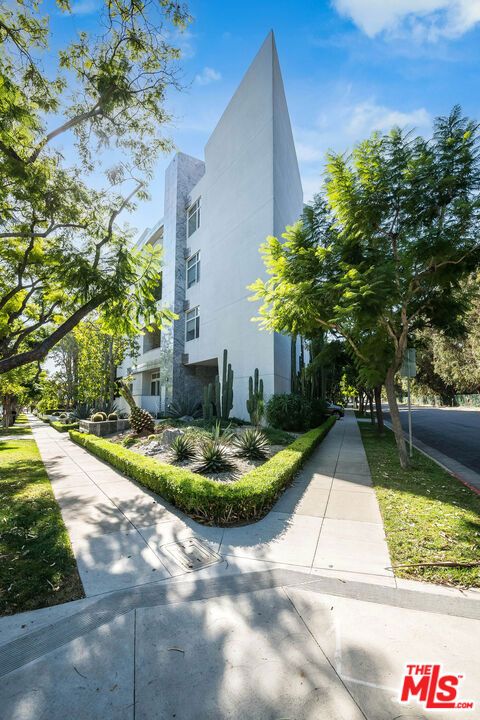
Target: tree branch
pixel 40 350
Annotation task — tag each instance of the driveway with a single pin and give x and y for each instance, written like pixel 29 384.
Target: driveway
pixel 455 433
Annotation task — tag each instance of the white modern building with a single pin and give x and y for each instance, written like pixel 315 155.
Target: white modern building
pixel 217 212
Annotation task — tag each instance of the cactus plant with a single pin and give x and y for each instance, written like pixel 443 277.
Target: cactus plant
pixel 227 387
pixel 98 417
pixel 140 420
pixel 207 405
pixel 219 394
pixel 255 404
pixel 113 416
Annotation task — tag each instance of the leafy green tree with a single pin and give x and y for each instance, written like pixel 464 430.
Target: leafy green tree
pixel 385 251
pixel 63 253
pixel 17 387
pixel 99 355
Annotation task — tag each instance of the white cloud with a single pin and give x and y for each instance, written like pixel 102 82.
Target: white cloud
pixel 421 19
pixel 344 125
pixel 207 76
pixel 85 7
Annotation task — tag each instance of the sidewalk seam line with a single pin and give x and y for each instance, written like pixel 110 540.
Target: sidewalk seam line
pixel 323 652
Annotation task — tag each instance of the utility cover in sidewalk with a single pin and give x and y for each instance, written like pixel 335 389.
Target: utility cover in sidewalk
pixel 192 554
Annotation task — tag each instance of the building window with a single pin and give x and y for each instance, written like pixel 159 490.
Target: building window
pixel 155 383
pixel 151 340
pixel 192 324
pixel 193 217
pixel 193 269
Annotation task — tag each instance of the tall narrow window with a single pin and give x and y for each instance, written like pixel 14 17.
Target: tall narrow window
pixel 193 217
pixel 155 383
pixel 192 326
pixel 193 269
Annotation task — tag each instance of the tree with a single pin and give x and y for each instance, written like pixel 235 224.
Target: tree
pixel 65 356
pixel 63 253
pixel 99 355
pixel 16 388
pixel 384 251
pixel 86 361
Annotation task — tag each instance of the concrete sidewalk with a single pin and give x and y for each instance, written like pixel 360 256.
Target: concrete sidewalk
pixel 299 618
pixel 327 520
pixel 267 645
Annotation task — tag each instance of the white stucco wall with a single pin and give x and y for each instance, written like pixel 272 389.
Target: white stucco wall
pixel 251 171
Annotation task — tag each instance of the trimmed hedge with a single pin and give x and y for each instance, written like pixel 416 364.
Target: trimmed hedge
pixel 63 427
pixel 208 501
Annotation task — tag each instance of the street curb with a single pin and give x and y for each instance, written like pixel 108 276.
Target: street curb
pixel 430 453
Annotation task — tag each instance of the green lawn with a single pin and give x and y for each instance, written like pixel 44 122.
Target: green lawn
pixel 429 516
pixel 37 565
pixel 21 427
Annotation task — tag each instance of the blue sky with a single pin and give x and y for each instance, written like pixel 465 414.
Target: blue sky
pixel 349 67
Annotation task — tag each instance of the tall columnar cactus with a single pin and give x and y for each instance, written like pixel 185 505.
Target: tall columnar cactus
pixel 255 404
pixel 227 387
pixel 207 405
pixel 219 395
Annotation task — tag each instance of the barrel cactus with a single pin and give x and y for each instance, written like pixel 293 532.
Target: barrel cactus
pixel 98 417
pixel 113 416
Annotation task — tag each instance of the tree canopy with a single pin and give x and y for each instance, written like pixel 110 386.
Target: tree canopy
pixel 63 253
pixel 384 249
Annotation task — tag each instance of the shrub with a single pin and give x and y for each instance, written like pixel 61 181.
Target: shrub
pixel 99 417
pixel 251 444
pixel 64 427
pixel 213 457
pixel 204 499
pixel 294 412
pixel 278 437
pixel 130 440
pixel 182 448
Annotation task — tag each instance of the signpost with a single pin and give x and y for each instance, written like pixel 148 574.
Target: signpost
pixel 409 370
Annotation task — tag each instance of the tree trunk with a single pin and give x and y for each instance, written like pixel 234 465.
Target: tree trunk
pixel 377 390
pixel 7 402
pixel 370 405
pixel 395 417
pixel 127 395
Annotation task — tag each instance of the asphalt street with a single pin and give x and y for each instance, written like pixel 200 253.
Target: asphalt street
pixel 455 433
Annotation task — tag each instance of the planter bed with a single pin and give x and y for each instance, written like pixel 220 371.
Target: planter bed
pixel 104 427
pixel 206 500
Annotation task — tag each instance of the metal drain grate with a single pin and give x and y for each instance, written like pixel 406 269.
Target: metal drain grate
pixel 192 554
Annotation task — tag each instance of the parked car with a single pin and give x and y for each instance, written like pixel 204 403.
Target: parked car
pixel 333 409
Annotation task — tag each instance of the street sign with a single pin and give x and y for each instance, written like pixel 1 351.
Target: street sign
pixel 409 368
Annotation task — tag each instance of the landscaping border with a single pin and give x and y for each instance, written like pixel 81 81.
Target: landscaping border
pixel 213 503
pixel 63 427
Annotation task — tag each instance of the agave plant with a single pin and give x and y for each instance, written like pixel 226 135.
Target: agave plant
pixel 182 448
pixel 213 457
pixel 182 408
pixel 251 444
pixel 222 435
